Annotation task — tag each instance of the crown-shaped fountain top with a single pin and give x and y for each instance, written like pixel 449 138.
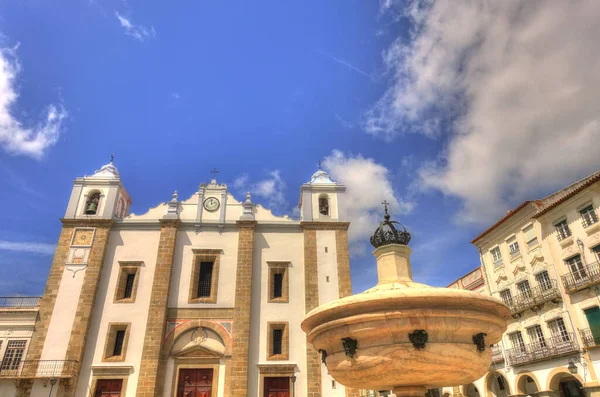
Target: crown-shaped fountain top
pixel 386 233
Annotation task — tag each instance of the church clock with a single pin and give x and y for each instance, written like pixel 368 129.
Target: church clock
pixel 211 204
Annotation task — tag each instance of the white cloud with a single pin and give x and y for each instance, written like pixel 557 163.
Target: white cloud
pixel 36 248
pixel 138 32
pixel 14 137
pixel 367 185
pixel 517 83
pixel 175 95
pixel 271 189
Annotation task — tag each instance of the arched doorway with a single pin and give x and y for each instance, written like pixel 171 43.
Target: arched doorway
pixel 526 384
pixel 565 384
pixel 496 385
pixel 471 391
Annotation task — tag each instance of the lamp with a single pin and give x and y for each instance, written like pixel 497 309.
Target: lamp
pixel 52 383
pixel 573 368
pixel 293 379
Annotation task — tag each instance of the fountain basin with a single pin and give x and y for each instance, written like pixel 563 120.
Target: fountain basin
pixel 381 319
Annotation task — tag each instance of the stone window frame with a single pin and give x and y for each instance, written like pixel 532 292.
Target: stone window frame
pixel 279 267
pixel 110 373
pixel 126 268
pixel 109 343
pixel 204 255
pixel 95 380
pixel 275 370
pixel 285 340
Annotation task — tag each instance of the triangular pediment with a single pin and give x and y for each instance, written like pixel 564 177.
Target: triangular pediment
pixel 197 352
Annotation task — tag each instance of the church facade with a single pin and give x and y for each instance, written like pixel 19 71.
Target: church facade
pixel 200 296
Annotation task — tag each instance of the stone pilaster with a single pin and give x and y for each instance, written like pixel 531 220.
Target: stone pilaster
pixel 236 376
pixel 85 306
pixel 344 280
pixel 152 374
pixel 311 301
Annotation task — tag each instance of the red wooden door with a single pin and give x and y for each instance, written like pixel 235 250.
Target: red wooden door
pixel 195 382
pixel 109 388
pixel 277 387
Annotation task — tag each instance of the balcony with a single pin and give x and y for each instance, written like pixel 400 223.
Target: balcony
pixel 589 340
pixel 19 302
pixel 584 278
pixel 30 369
pixel 534 298
pixel 555 346
pixel 497 355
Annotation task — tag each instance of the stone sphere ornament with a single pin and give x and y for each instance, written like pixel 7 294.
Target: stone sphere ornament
pixel 404 336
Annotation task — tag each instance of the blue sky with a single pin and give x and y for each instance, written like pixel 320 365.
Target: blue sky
pixel 402 100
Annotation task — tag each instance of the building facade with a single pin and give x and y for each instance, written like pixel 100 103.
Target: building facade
pixel 196 297
pixel 541 259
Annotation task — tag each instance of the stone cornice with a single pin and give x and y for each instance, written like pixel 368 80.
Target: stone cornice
pixel 246 224
pixel 325 225
pixel 84 222
pixel 170 222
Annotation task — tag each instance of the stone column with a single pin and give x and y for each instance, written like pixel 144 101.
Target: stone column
pixel 152 377
pixel 236 374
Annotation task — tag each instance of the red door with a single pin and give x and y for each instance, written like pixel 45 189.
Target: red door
pixel 195 382
pixel 277 387
pixel 109 388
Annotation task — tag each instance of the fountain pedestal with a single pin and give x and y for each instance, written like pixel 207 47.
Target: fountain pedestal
pixel 405 336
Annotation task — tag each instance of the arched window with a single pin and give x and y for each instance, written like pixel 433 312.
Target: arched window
pixel 323 205
pixel 92 203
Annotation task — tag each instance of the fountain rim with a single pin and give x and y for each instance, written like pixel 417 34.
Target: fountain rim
pixel 379 299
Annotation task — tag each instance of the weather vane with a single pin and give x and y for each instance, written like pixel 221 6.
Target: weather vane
pixel 112 157
pixel 214 171
pixel 320 161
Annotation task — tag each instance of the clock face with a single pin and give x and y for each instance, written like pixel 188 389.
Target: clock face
pixel 211 204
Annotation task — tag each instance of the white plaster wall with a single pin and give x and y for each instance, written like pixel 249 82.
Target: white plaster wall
pixel 7 388
pixel 181 275
pixel 63 315
pixel 328 291
pixel 277 245
pixel 124 245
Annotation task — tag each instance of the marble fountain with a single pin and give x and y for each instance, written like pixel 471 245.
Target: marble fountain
pixel 405 336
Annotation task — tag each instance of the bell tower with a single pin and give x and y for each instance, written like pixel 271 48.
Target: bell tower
pixel 322 199
pixel 100 196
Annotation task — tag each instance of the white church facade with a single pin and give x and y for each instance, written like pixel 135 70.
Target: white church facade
pixel 200 296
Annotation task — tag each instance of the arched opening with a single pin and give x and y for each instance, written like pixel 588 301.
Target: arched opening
pixel 497 385
pixel 324 204
pixel 471 391
pixel 446 395
pixel 526 384
pixel 566 384
pixel 92 203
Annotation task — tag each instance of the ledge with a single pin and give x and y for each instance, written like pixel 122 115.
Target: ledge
pixel 112 370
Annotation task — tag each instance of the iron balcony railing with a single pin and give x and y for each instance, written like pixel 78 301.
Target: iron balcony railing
pixel 19 302
pixel 497 355
pixel 535 297
pixel 543 350
pixel 40 369
pixel 583 278
pixel 589 340
pixel 514 254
